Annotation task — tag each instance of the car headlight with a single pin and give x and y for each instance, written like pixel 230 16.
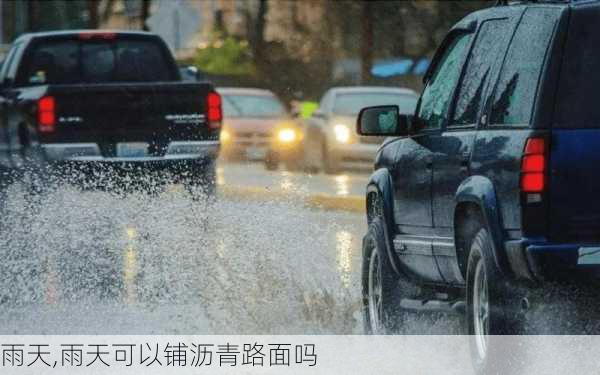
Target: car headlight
pixel 225 136
pixel 287 135
pixel 342 133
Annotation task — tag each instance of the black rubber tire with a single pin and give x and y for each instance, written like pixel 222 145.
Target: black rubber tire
pixel 504 314
pixel 392 316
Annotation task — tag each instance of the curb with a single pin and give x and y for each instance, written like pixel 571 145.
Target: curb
pixel 321 201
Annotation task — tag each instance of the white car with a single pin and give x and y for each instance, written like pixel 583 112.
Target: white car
pixel 330 141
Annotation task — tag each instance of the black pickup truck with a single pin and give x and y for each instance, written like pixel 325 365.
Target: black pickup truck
pixel 105 99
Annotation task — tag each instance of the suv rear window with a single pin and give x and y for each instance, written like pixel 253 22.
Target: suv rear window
pixel 85 61
pixel 517 87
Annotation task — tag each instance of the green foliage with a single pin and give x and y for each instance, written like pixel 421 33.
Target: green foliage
pixel 227 56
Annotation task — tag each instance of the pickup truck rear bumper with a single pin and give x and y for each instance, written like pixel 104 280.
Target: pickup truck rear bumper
pixel 541 260
pixel 90 152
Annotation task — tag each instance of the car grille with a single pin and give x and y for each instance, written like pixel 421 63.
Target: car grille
pixel 252 138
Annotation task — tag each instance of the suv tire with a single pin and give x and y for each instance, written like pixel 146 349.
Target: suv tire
pixel 492 309
pixel 382 291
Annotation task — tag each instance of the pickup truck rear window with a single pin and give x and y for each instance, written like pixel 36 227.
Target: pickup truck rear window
pixel 75 61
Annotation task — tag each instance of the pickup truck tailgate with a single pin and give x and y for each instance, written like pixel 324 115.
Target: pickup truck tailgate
pixel 109 114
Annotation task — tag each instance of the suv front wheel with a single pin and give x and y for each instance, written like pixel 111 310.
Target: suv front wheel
pixel 381 288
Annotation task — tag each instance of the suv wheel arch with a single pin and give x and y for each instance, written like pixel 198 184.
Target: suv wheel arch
pixel 476 203
pixel 379 202
pixel 468 221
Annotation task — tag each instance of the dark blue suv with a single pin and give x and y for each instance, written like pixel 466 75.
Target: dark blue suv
pixel 492 185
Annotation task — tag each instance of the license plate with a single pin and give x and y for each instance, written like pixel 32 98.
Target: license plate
pixel 132 150
pixel 589 256
pixel 255 153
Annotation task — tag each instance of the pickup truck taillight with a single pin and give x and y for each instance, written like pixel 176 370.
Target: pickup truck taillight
pixel 533 166
pixel 214 112
pixel 46 114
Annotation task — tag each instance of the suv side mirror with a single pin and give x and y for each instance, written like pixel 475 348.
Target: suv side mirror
pixel 383 120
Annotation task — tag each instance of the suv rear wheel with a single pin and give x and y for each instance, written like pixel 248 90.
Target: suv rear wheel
pixel 493 308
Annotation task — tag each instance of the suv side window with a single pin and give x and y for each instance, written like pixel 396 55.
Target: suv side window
pixel 482 68
pixel 517 87
pixel 435 100
pixel 8 62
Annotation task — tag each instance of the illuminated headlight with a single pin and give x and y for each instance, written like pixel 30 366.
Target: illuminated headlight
pixel 225 136
pixel 342 133
pixel 287 135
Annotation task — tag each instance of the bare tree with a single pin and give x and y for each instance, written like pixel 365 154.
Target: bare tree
pixel 144 14
pixel 366 52
pixel 258 42
pixel 93 14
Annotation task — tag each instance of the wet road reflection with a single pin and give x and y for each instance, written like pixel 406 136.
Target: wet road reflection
pixel 342 187
pixel 344 248
pixel 130 266
pixel 286 183
pixel 254 174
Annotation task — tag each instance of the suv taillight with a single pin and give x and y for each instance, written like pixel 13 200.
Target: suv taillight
pixel 214 112
pixel 46 115
pixel 533 166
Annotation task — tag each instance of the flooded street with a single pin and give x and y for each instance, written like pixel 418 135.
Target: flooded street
pixel 87 262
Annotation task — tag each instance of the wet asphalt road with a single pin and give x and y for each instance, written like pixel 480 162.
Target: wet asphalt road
pixel 91 262
pixel 96 262
pixel 343 184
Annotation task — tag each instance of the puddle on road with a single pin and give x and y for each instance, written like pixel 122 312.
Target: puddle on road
pixel 95 262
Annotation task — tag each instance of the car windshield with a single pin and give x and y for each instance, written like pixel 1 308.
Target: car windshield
pixel 351 104
pixel 252 106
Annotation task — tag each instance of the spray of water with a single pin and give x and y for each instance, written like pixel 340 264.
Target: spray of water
pixel 162 260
